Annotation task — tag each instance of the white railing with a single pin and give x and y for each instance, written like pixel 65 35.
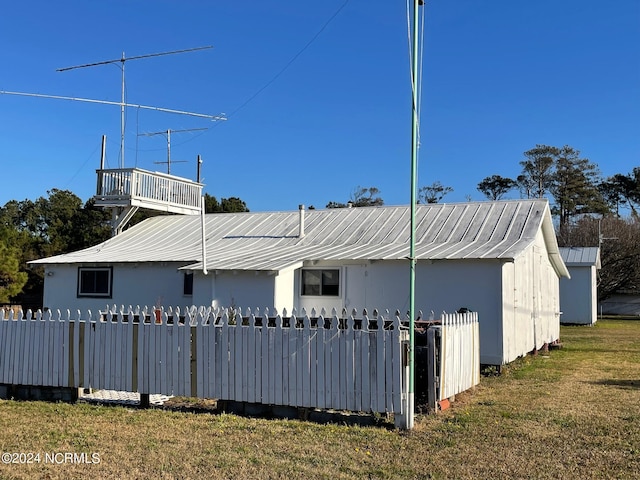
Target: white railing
pixel 137 187
pixel 310 361
pixel 459 353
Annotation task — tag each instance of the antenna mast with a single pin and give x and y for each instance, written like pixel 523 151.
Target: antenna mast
pixel 122 60
pixel 168 134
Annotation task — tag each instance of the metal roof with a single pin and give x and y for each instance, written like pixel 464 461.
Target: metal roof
pixel 581 256
pixel 270 241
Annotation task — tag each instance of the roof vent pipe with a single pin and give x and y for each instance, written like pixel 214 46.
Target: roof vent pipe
pixel 301 224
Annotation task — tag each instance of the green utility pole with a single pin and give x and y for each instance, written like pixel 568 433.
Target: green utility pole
pixel 412 247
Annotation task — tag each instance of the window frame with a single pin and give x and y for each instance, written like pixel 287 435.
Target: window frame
pixel 93 294
pixel 322 285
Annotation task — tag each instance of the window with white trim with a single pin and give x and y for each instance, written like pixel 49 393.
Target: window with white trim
pixel 321 282
pixel 95 282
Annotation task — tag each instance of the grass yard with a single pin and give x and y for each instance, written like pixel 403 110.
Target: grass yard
pixel 572 414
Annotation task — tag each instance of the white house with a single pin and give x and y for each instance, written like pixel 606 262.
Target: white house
pixel 579 294
pixel 499 258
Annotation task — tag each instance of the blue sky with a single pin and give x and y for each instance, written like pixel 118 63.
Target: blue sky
pixel 317 94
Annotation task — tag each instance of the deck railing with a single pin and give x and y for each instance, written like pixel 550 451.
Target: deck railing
pixel 125 187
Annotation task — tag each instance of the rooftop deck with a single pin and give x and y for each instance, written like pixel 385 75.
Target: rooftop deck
pixel 133 187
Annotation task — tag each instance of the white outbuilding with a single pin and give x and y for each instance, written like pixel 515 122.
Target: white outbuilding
pixel 500 259
pixel 579 294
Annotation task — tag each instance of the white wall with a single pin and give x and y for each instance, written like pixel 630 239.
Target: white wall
pixel 531 302
pixel 440 286
pixel 284 290
pixel 133 284
pixel 517 302
pixel 578 297
pixel 238 289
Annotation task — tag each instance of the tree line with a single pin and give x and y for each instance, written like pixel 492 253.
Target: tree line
pixel 587 209
pixel 56 224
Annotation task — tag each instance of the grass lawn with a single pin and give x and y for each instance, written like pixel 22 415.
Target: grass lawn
pixel 574 414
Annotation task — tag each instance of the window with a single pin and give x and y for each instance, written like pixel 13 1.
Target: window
pixel 188 283
pixel 94 282
pixel 321 282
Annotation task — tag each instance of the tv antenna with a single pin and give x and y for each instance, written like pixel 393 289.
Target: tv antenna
pixel 168 133
pixel 122 61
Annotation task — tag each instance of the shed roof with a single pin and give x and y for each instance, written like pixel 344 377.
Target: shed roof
pixel 581 256
pixel 270 241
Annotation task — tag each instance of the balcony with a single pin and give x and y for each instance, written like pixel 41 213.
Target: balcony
pixel 133 187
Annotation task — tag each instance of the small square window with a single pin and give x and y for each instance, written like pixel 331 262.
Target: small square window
pixel 94 282
pixel 316 282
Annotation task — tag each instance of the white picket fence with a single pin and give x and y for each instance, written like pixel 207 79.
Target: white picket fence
pixel 460 353
pixel 352 364
pixel 300 361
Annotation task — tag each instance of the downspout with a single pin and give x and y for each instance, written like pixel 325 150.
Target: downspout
pixel 204 238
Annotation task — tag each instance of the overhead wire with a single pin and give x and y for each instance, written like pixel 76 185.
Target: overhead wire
pixel 280 72
pixel 293 59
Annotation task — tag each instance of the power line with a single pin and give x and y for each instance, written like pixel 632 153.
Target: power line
pixel 290 62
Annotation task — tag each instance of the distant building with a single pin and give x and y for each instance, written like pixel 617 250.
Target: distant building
pixel 579 294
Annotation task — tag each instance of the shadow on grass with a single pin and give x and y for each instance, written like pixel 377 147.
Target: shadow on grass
pixel 253 410
pixel 624 384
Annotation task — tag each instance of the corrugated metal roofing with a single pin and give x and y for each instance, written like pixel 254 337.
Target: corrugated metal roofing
pixel 580 256
pixel 269 241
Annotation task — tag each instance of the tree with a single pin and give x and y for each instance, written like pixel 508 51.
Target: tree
pixel 433 193
pixel 233 204
pixel 12 280
pixel 537 171
pixel 360 197
pixel 226 205
pixel 495 186
pixel 622 190
pixel 574 186
pixel 612 190
pixel 49 226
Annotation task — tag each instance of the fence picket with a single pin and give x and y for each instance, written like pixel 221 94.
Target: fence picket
pixel 318 394
pixel 308 370
pixel 224 358
pixel 279 351
pixel 201 357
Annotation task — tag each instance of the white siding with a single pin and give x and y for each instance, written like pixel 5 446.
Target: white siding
pixel 476 285
pixel 204 288
pixel 531 318
pixel 517 302
pixel 284 290
pixel 133 284
pixel 243 289
pixel 440 286
pixel 578 297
